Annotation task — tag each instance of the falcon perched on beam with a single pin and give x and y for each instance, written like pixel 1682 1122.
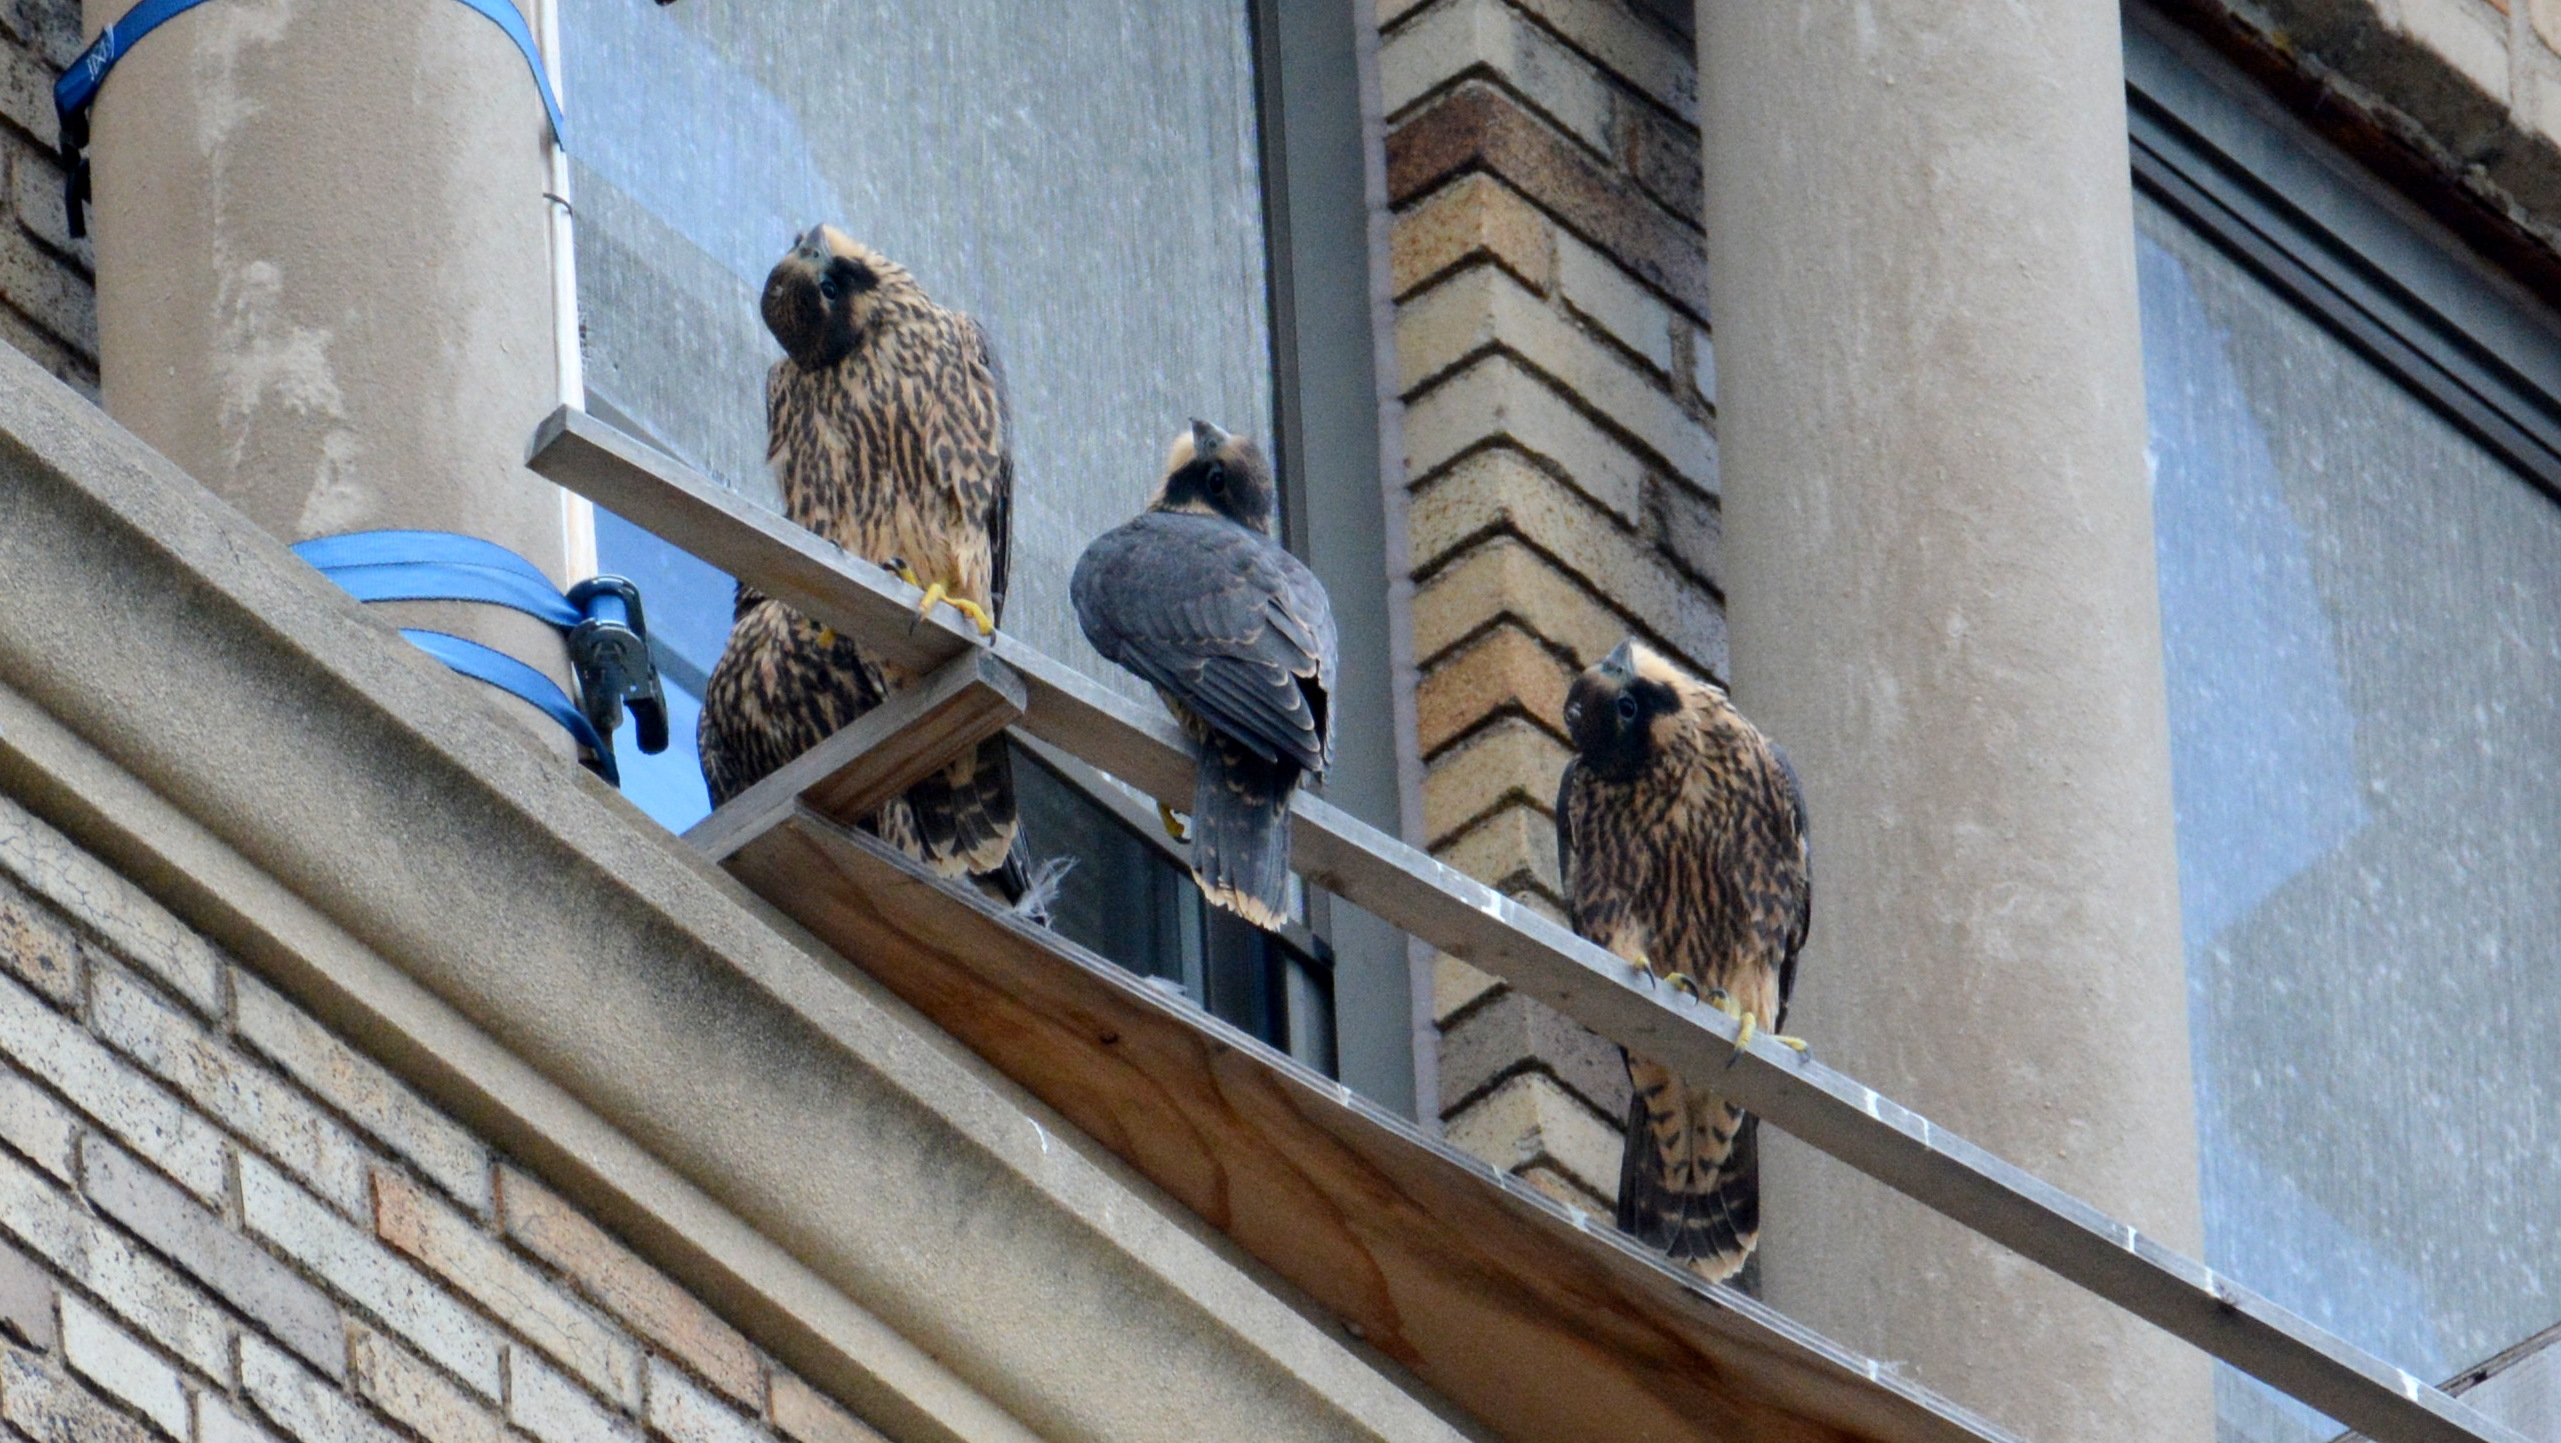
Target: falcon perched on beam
pixel 1680 833
pixel 1237 636
pixel 886 426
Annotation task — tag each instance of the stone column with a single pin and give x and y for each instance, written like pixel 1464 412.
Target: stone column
pixel 1940 580
pixel 324 279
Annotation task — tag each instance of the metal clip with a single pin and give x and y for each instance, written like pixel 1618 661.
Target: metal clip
pixel 609 651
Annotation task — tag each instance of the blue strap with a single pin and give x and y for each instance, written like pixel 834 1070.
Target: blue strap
pixel 78 88
pixel 509 675
pixel 393 548
pixel 437 581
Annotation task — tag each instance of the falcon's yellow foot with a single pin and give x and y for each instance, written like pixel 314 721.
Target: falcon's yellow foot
pixel 976 613
pixel 1723 1001
pixel 1173 820
pixel 939 594
pixel 1678 981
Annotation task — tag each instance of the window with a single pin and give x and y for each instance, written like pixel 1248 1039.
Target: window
pixel 1042 168
pixel 2356 462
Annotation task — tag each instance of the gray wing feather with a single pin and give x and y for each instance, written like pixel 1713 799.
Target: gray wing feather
pixel 1222 619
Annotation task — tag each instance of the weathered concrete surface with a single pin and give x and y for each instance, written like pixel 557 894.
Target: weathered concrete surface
pixel 1940 573
pixel 324 284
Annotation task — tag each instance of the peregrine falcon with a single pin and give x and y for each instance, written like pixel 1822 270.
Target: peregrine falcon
pixel 886 427
pixel 1236 635
pixel 1680 833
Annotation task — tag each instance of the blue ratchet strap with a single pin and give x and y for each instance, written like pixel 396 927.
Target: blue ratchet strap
pixel 601 617
pixel 78 88
pixel 482 663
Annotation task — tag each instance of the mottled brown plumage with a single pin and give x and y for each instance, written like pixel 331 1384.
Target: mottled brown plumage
pixel 1681 836
pixel 886 429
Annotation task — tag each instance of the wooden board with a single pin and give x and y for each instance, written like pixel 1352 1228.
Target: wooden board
pixel 1542 1325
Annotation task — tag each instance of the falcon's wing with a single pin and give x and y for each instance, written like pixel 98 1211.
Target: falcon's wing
pixel 1565 836
pixel 1804 919
pixel 1223 620
pixel 1000 518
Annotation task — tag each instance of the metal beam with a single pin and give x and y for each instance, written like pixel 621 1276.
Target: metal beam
pixel 877 755
pixel 1480 926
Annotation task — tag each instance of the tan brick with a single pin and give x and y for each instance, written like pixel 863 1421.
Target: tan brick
pixel 138 1287
pixel 1597 1203
pixel 1628 48
pixel 1593 284
pixel 806 1415
pixel 307 1408
pixel 448 1155
pixel 36 1125
pixel 1502 490
pixel 1457 986
pixel 120 1365
pixel 354 1264
pixel 26 96
pixel 35 193
pixel 51 1407
pixel 1506 667
pixel 1481 307
pixel 410 1219
pixel 1496 398
pixel 1503 578
pixel 1512 761
pixel 247 1276
pixel 630 1289
pixel 1531 1121
pixel 26 1300
pixel 50 291
pixel 1459 36
pixel 1511 1031
pixel 402 1385
pixel 1477 219
pixel 100 1084
pixel 275 1119
pixel 217 1422
pixel 1691 528
pixel 543 1401
pixel 684 1413
pixel 40 948
pixel 139 929
pixel 1513 849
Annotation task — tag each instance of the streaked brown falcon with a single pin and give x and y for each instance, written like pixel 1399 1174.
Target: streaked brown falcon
pixel 887 429
pixel 1237 636
pixel 1680 832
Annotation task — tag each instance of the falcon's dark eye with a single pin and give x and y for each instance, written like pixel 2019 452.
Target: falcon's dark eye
pixel 1216 481
pixel 828 288
pixel 1626 707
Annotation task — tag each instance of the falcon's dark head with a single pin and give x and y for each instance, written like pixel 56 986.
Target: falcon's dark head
pixel 826 293
pixel 1623 712
pixel 1217 473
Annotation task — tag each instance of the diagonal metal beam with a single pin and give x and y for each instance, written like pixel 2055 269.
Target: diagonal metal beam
pixel 1478 925
pixel 877 755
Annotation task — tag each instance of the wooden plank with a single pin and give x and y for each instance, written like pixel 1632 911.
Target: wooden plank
pixel 1537 1321
pixel 1470 921
pixel 878 754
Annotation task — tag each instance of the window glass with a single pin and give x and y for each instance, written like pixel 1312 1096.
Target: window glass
pixel 2361 614
pixel 1041 167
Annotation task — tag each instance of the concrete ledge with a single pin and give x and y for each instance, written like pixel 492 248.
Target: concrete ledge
pixel 870 1201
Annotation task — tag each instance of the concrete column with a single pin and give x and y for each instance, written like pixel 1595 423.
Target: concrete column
pixel 1939 559
pixel 324 278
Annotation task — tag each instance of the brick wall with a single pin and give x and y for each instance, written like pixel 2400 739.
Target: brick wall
pixel 1552 337
pixel 46 278
pixel 220 1224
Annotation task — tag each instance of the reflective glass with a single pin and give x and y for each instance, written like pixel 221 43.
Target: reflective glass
pixel 2362 620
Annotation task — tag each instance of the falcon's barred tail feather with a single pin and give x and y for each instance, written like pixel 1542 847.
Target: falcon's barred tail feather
pixel 1240 832
pixel 1690 1178
pixel 964 815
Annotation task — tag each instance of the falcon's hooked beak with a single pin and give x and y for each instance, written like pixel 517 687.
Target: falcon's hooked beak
pixel 1206 439
pixel 1621 662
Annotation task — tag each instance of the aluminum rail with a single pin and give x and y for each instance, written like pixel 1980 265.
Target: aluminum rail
pixel 1480 926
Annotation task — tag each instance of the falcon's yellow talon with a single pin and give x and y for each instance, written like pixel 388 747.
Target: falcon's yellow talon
pixel 1173 821
pixel 1680 982
pixel 976 613
pixel 933 594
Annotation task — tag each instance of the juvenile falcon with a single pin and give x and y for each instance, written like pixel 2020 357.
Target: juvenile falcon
pixel 1236 635
pixel 886 428
pixel 1680 833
